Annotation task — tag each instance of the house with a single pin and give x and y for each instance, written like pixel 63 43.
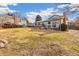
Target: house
pixel 9 19
pixel 23 22
pixel 54 22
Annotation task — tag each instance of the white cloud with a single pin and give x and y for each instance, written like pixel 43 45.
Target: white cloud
pixel 15 4
pixel 5 10
pixel 6 4
pixel 43 13
pixel 63 5
pixel 74 7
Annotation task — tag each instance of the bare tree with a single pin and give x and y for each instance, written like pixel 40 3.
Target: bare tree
pixel 76 23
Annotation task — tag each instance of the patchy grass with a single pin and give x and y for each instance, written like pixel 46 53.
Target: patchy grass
pixel 27 41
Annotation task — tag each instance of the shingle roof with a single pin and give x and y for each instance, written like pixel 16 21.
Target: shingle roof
pixel 54 17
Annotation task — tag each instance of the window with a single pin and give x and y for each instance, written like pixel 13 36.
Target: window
pixel 54 24
pixel 49 22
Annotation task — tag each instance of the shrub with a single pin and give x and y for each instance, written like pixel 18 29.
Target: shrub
pixel 63 27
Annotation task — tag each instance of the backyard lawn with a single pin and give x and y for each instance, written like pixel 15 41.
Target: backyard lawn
pixel 28 41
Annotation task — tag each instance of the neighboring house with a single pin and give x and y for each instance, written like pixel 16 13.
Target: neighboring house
pixel 9 19
pixel 31 24
pixel 23 22
pixel 12 19
pixel 54 22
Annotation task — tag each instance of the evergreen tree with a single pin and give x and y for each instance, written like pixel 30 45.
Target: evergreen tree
pixel 38 18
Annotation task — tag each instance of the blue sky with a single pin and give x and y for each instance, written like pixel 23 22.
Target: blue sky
pixel 26 7
pixel 45 10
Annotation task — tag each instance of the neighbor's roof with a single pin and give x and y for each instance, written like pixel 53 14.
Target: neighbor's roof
pixel 54 17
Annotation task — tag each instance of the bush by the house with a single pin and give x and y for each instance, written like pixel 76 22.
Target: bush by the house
pixel 63 27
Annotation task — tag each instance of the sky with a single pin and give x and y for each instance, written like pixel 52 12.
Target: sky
pixel 45 10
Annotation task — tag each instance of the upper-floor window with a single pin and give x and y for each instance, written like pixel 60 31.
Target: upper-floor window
pixel 54 24
pixel 49 22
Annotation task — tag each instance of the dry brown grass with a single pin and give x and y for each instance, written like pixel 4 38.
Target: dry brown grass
pixel 27 41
